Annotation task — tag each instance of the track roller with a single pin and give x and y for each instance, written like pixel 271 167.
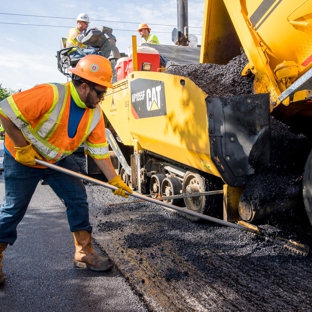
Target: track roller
pixel 196 183
pixel 155 184
pixel 171 187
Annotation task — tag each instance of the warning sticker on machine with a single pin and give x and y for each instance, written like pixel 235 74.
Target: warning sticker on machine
pixel 148 98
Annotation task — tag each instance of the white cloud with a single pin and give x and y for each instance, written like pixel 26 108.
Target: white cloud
pixel 22 71
pixel 11 39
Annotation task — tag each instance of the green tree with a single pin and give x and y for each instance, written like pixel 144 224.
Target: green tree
pixel 4 93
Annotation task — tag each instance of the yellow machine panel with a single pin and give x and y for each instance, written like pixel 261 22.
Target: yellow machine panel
pixel 164 114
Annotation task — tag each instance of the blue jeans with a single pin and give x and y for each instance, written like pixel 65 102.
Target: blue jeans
pixel 20 184
pixel 77 53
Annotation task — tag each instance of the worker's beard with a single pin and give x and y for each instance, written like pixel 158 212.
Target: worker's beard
pixel 91 102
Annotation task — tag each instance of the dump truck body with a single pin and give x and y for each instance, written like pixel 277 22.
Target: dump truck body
pixel 275 35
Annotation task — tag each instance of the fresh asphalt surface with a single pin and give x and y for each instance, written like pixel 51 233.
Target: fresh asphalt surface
pixel 39 270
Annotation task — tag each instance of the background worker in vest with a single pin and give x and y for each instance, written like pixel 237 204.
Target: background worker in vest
pixel 146 36
pixel 49 122
pixel 75 36
pixel 2 132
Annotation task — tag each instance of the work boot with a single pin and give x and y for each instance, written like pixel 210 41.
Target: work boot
pixel 85 257
pixel 3 246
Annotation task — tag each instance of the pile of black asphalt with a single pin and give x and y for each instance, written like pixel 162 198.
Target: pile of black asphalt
pixel 218 80
pixel 177 265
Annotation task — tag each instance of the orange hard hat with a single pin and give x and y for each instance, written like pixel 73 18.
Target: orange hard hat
pixel 94 68
pixel 144 25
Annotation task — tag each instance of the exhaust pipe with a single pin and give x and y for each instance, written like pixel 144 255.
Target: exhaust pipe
pixel 180 35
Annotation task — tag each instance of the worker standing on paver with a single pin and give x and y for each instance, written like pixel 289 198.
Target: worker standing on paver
pixel 76 35
pixel 146 36
pixel 50 122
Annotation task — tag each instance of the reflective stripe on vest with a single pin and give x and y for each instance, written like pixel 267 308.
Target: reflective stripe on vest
pixel 72 39
pixel 96 151
pixel 48 151
pixel 48 121
pixel 8 106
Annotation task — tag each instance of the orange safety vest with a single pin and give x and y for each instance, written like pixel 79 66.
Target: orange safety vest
pixel 72 39
pixel 42 114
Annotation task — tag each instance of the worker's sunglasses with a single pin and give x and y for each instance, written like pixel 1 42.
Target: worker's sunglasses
pixel 100 94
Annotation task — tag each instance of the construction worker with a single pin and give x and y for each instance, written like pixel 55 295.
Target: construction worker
pixel 49 122
pixel 145 34
pixel 75 36
pixel 146 37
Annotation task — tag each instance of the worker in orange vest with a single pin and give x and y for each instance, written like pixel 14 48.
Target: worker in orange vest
pixel 50 122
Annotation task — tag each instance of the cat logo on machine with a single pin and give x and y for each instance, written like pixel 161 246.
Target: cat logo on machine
pixel 148 98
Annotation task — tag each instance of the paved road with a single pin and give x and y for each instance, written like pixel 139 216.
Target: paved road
pixel 180 266
pixel 40 273
pixel 174 264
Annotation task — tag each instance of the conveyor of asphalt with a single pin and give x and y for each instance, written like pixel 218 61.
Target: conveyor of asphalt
pixel 39 270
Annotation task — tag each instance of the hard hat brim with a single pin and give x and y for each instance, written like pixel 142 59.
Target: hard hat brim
pixel 87 77
pixel 144 28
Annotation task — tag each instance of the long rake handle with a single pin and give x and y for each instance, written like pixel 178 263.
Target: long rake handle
pixel 145 198
pixel 300 249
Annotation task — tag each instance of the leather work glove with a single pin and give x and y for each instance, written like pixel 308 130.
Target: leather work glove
pixel 121 185
pixel 26 155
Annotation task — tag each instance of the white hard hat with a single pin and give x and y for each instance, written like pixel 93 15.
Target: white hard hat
pixel 83 17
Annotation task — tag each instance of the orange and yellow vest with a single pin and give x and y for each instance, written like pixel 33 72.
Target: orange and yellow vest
pixel 72 39
pixel 42 114
pixel 151 39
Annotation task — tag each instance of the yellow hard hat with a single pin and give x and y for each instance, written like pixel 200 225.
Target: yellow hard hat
pixel 94 68
pixel 142 26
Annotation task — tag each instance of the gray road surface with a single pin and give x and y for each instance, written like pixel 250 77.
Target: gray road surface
pixel 39 270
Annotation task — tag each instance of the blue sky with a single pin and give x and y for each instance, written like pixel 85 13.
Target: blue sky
pixel 31 31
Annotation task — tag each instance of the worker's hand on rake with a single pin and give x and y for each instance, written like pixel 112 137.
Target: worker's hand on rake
pixel 26 155
pixel 122 187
